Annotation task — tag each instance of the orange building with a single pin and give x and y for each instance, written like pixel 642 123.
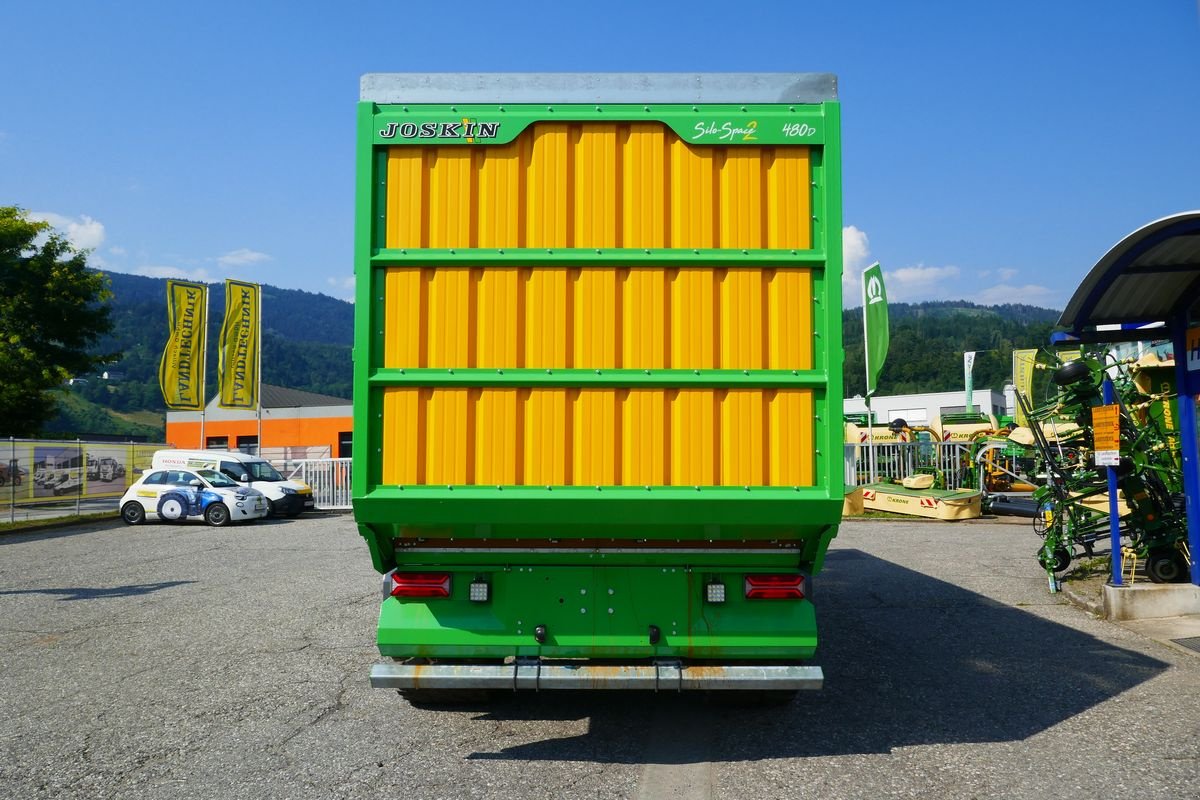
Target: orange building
pixel 294 425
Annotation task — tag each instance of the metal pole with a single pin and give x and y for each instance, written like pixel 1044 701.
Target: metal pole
pixel 1188 443
pixel 204 369
pixel 14 476
pixel 871 469
pixel 871 464
pixel 82 473
pixel 1191 477
pixel 258 372
pixel 1114 515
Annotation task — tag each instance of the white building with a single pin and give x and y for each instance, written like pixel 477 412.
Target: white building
pixel 924 409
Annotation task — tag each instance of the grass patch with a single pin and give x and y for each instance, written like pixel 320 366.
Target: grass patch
pixel 1088 568
pixel 150 419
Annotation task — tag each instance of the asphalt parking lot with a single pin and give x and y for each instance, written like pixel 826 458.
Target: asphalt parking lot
pixel 185 661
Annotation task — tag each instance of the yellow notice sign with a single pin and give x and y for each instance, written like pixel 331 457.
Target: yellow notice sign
pixel 1193 349
pixel 1106 434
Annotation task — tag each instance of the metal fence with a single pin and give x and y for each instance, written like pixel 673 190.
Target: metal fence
pixel 897 460
pixel 41 473
pixel 44 477
pixel 328 477
pixel 54 478
pixel 290 455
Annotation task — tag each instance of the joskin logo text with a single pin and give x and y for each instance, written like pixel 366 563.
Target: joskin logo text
pixel 467 129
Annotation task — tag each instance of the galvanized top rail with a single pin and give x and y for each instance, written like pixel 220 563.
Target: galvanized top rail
pixel 598 87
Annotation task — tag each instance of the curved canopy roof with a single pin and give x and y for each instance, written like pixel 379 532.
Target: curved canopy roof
pixel 1152 275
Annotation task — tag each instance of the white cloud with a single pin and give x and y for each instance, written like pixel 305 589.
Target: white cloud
pixel 200 275
pixel 242 257
pixel 914 284
pixel 1029 294
pixel 856 251
pixel 920 283
pixel 84 233
pixel 343 287
pixel 856 256
pixel 118 251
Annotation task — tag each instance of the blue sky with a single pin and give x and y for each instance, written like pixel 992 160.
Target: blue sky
pixel 993 151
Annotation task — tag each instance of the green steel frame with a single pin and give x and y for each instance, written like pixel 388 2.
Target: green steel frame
pixel 726 514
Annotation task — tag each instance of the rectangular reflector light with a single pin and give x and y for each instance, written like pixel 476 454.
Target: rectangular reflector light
pixel 775 587
pixel 421 584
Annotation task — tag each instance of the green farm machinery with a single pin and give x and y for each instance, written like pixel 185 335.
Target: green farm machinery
pixel 1074 504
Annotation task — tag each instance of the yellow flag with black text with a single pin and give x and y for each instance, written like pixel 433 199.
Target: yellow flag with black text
pixel 1024 363
pixel 181 370
pixel 240 346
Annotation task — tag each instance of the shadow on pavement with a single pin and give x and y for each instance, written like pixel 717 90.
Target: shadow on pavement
pixel 56 532
pixel 115 523
pixel 82 593
pixel 908 660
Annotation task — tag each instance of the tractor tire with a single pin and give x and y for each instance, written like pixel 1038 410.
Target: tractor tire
pixel 1057 561
pixel 1166 566
pixel 1073 372
pixel 1062 559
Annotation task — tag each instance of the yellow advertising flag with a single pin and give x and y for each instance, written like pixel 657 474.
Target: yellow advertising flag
pixel 1024 362
pixel 240 346
pixel 181 370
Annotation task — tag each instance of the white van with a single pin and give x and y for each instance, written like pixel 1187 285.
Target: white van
pixel 283 496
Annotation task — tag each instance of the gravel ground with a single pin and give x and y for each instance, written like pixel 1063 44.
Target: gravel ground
pixel 184 661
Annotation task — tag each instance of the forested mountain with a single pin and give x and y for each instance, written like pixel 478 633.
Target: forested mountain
pixel 928 341
pixel 307 339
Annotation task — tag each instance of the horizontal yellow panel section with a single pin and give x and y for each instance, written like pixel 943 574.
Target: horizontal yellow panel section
pixel 599 185
pixel 598 318
pixel 605 437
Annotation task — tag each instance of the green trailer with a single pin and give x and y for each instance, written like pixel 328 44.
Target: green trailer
pixel 598 360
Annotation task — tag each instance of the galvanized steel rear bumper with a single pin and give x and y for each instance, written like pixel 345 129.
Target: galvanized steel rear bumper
pixel 534 674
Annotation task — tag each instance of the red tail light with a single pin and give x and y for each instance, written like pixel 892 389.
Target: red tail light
pixel 420 584
pixel 775 587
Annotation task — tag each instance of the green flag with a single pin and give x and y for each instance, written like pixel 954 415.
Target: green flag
pixel 875 324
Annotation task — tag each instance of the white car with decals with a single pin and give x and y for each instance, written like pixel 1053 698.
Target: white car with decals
pixel 175 495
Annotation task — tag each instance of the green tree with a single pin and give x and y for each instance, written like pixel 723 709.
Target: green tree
pixel 52 310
